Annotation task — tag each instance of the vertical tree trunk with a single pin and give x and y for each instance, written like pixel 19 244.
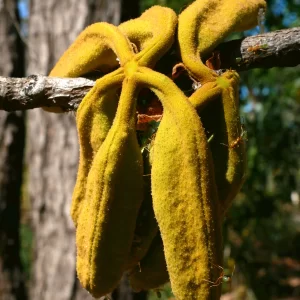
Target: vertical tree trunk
pixel 12 140
pixel 53 148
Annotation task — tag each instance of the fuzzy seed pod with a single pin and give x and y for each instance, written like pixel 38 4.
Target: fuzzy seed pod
pixel 97 48
pixel 184 193
pixel 146 226
pixel 205 23
pixel 94 119
pixel 152 33
pixel 114 192
pixel 202 26
pixel 220 99
pixel 152 271
pixel 151 42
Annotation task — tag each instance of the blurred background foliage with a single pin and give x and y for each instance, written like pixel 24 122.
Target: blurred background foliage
pixel 262 228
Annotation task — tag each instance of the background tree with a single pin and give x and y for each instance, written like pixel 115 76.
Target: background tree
pixel 12 139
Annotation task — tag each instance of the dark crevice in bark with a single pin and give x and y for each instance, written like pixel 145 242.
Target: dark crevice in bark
pixel 10 189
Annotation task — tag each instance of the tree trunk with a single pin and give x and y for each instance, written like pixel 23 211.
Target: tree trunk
pixel 53 148
pixel 12 140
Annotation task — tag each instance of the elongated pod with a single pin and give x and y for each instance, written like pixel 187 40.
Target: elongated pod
pixel 218 107
pixel 202 26
pixel 153 33
pixel 205 23
pixel 152 271
pixel 146 227
pixel 234 144
pixel 94 119
pixel 114 192
pixel 184 193
pixel 97 48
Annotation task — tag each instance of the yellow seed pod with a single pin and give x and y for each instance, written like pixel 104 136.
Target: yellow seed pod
pixel 205 23
pixel 152 33
pixel 234 144
pixel 96 47
pixel 114 192
pixel 94 119
pixel 100 47
pixel 152 271
pixel 184 193
pixel 146 227
pixel 220 100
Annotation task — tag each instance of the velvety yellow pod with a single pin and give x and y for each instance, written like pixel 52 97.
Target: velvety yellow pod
pixel 100 47
pixel 152 272
pixel 96 47
pixel 114 192
pixel 94 119
pixel 146 227
pixel 234 144
pixel 205 23
pixel 220 100
pixel 184 193
pixel 152 33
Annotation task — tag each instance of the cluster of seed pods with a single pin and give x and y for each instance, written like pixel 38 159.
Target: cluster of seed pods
pixel 157 214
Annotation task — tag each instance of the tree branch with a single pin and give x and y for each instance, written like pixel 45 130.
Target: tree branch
pixel 279 48
pixel 37 91
pixel 274 49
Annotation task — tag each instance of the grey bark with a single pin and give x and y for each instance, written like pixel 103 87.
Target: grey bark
pixel 12 137
pixel 53 148
pixel 38 90
pixel 279 48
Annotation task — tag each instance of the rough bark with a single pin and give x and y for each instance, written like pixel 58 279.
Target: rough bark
pixel 53 148
pixel 279 49
pixel 12 138
pixel 38 90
